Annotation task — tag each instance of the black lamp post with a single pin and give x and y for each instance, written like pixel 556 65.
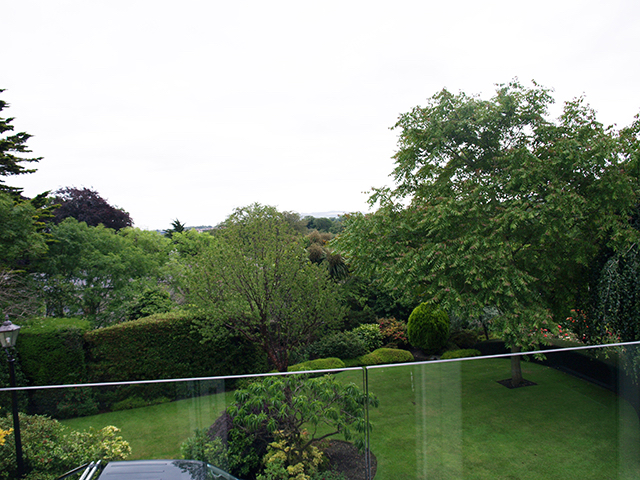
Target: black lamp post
pixel 8 338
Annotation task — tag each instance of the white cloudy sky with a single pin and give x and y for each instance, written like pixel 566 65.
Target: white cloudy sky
pixel 189 109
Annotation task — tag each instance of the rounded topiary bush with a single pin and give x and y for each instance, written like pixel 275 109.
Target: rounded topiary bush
pixel 428 327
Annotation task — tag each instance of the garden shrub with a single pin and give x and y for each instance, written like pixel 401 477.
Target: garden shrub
pixel 370 334
pixel 283 461
pixel 462 353
pixel 340 345
pixel 428 327
pixel 202 447
pixel 318 364
pixel 394 332
pixel 276 410
pixel 464 339
pixel 383 356
pixel 51 449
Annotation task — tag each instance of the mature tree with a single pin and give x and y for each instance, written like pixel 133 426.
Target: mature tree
pixel 255 280
pixel 20 241
pixel 86 205
pixel 96 271
pixel 12 146
pixel 497 206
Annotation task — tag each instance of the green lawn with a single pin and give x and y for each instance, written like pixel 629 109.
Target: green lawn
pixel 449 421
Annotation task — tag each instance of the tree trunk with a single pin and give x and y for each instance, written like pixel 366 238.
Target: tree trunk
pixel 516 368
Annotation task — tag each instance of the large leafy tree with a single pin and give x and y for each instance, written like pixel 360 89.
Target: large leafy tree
pixel 496 206
pixel 96 271
pixel 12 148
pixel 86 205
pixel 255 280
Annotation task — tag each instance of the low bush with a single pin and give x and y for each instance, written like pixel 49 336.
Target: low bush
pixel 383 356
pixel 428 328
pixel 202 447
pixel 463 353
pixel 370 334
pixel 341 345
pixel 394 332
pixel 464 339
pixel 51 449
pixel 318 364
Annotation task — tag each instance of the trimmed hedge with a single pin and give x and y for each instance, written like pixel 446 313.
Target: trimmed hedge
pixel 319 364
pixel 383 356
pixel 51 352
pixel 165 346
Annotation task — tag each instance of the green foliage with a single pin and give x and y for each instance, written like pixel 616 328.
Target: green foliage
pixel 318 364
pixel 383 356
pixel 255 280
pixel 21 243
pixel 21 381
pixel 616 300
pixel 428 327
pixel 464 338
pixel 463 353
pixel 97 272
pixel 367 301
pixel 163 346
pixel 299 412
pixel 340 344
pixel 202 447
pixel 283 462
pixel 497 206
pixel 52 353
pixel 50 449
pixel 152 301
pixel 12 146
pixel 370 334
pixel 394 332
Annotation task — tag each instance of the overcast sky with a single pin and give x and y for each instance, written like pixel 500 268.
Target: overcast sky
pixel 188 109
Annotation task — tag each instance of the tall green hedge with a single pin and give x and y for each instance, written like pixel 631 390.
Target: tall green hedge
pixel 165 345
pixel 51 352
pixel 56 351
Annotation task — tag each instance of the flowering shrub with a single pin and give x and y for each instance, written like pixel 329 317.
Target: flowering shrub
pixel 4 433
pixel 394 332
pixel 284 461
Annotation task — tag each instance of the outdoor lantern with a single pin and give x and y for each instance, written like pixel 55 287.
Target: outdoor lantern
pixel 9 334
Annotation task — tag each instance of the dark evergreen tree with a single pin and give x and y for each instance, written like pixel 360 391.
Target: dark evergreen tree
pixel 11 148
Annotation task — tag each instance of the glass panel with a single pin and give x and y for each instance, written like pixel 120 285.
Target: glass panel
pixel 157 418
pixel 576 416
pixel 454 420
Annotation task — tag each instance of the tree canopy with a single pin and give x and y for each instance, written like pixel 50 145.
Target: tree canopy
pixel 495 205
pixel 12 148
pixel 86 205
pixel 254 279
